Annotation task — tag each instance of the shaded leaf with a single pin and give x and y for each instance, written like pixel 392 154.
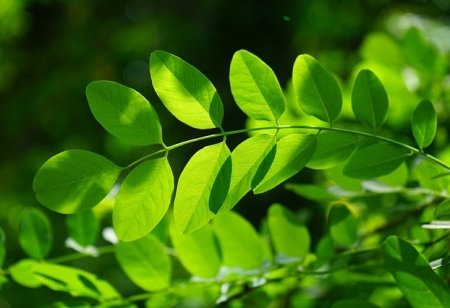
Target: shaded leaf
pixel 311 192
pixel 83 227
pixel 427 171
pixel 443 210
pixel 145 262
pixel 255 87
pixel 343 226
pixel 35 235
pixel 185 91
pixel 124 112
pixel 424 124
pixel 74 180
pixel 2 247
pixel 317 91
pixel 354 303
pixel 143 199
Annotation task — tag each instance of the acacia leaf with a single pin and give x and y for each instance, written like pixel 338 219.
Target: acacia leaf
pixel 35 235
pixel 342 225
pixel 83 227
pixel 424 124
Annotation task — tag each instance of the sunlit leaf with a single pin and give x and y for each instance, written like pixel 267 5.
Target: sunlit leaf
pixel 143 199
pixel 289 235
pixel 255 87
pixel 427 171
pixel 74 180
pixel 124 112
pixel 415 278
pixel 145 262
pixel 317 91
pixel 424 124
pixel 191 205
pixel 83 227
pixel 370 102
pixel 343 225
pixel 375 160
pixel 292 153
pixel 23 273
pixel 239 243
pixel 185 91
pixel 35 236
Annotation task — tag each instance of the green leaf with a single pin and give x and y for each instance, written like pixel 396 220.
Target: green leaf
pixel 354 303
pixel 427 171
pixel 255 87
pixel 197 251
pixel 23 273
pixel 443 210
pixel 2 247
pixel 311 192
pixel 289 235
pixel 415 278
pixel 185 91
pixel 375 160
pixel 343 226
pixel 124 112
pixel 143 199
pixel 74 180
pixel 292 153
pixel 424 124
pixel 370 102
pixel 145 262
pixel 83 227
pixel 332 149
pixel 35 235
pixel 239 243
pixel 317 91
pixel 191 205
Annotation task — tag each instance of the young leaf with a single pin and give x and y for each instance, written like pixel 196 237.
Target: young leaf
pixel 415 278
pixel 143 199
pixel 185 91
pixel 23 273
pixel 343 226
pixel 424 124
pixel 375 160
pixel 145 262
pixel 197 251
pixel 124 112
pixel 292 153
pixel 370 102
pixel 289 235
pixel 191 205
pixel 74 180
pixel 83 227
pixel 35 236
pixel 239 243
pixel 317 91
pixel 245 160
pixel 255 87
pixel 332 149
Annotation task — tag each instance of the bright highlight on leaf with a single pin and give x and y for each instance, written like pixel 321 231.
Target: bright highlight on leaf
pixel 143 199
pixel 185 91
pixel 317 91
pixel 35 235
pixel 124 112
pixel 74 180
pixel 424 124
pixel 370 102
pixel 255 87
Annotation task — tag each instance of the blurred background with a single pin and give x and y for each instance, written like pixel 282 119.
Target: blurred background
pixel 51 49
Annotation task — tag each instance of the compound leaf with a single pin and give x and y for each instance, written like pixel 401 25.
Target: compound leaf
pixel 370 102
pixel 83 227
pixel 255 87
pixel 424 124
pixel 318 93
pixel 191 205
pixel 74 180
pixel 35 235
pixel 143 199
pixel 124 112
pixel 414 276
pixel 185 91
pixel 145 262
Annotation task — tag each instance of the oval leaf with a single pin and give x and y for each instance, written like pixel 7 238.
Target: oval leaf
pixel 191 205
pixel 343 226
pixel 145 262
pixel 370 102
pixel 143 199
pixel 415 278
pixel 74 180
pixel 35 236
pixel 124 112
pixel 375 160
pixel 23 273
pixel 318 93
pixel 255 87
pixel 83 227
pixel 185 91
pixel 424 124
pixel 292 153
